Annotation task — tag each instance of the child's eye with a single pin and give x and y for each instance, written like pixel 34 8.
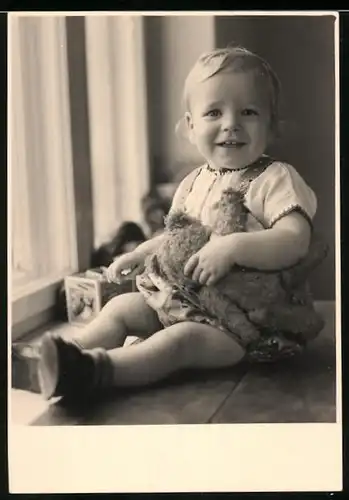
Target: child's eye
pixel 214 113
pixel 249 112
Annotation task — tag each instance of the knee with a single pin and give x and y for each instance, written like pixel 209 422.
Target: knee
pixel 114 309
pixel 118 302
pixel 112 305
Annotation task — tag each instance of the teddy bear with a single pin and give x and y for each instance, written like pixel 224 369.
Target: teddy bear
pixel 247 301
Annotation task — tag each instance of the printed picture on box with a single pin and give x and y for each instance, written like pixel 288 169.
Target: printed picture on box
pixel 82 302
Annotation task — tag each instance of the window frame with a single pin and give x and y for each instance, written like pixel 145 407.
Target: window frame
pixel 34 305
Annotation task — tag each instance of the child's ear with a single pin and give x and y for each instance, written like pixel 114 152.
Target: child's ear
pixel 276 131
pixel 190 126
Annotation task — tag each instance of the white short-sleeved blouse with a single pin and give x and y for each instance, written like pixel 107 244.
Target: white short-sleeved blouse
pixel 275 192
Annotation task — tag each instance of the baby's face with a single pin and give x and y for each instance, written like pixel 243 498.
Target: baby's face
pixel 229 119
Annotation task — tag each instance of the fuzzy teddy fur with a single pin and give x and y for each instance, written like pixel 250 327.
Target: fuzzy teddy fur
pixel 246 301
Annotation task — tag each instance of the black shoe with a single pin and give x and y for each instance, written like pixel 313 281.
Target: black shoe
pixel 64 369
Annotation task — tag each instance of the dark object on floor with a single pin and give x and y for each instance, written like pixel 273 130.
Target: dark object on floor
pixel 61 304
pixel 127 237
pixel 25 358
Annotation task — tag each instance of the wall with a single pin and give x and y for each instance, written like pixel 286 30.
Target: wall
pixel 173 44
pixel 301 50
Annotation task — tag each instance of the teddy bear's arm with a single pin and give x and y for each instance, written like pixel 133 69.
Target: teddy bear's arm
pixel 293 319
pixel 298 273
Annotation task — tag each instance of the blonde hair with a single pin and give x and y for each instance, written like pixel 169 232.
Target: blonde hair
pixel 238 59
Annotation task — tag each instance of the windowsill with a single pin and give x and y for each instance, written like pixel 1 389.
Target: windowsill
pixel 62 327
pixel 30 326
pixel 36 286
pixel 33 305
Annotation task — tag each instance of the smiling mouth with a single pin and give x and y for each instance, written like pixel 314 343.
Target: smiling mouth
pixel 231 144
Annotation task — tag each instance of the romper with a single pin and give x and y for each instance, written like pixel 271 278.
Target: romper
pixel 272 189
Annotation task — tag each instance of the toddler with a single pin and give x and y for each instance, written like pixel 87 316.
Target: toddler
pixel 231 98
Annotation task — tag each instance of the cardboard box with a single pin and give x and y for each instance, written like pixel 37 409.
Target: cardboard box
pixel 88 292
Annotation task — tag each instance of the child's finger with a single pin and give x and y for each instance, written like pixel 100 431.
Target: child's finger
pixel 196 274
pixel 107 274
pixel 204 277
pixel 191 264
pixel 112 274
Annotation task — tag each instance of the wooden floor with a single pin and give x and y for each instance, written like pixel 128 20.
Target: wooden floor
pixel 299 390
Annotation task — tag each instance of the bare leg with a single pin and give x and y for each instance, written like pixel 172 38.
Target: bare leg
pixel 124 315
pixel 65 368
pixel 180 346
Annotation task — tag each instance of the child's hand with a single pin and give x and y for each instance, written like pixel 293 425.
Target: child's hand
pixel 127 266
pixel 211 263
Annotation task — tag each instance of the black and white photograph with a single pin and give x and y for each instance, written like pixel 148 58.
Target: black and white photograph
pixel 174 260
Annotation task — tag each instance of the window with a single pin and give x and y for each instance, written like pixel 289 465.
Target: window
pixel 42 221
pixel 117 102
pixel 75 169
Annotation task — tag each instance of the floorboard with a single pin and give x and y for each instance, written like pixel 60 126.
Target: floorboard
pixel 189 399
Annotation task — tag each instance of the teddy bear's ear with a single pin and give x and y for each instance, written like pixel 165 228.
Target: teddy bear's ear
pixel 177 220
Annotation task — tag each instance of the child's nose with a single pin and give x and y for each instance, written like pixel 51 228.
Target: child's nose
pixel 231 121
